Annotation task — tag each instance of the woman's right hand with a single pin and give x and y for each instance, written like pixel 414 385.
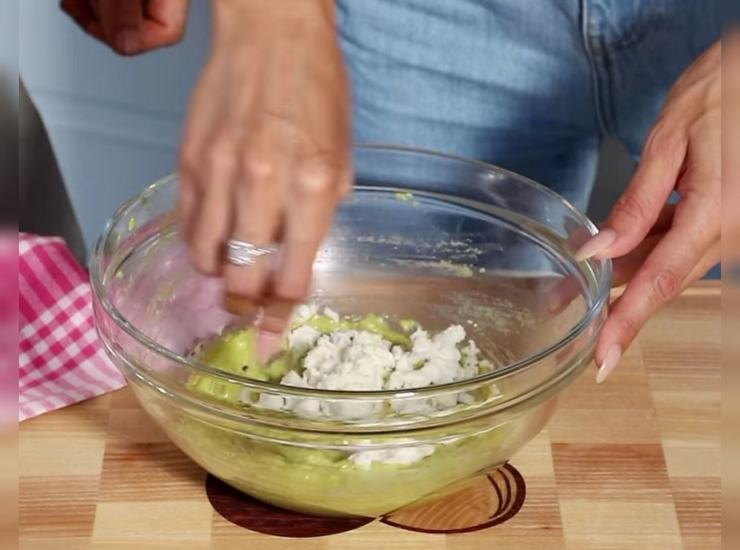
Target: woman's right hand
pixel 266 151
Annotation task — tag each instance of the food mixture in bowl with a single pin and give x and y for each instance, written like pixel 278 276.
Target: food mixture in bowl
pixel 324 350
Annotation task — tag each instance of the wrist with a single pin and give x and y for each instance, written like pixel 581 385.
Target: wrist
pixel 236 15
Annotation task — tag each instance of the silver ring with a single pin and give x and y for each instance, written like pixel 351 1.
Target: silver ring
pixel 242 253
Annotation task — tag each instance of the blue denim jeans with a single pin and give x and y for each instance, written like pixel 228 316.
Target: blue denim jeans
pixel 533 86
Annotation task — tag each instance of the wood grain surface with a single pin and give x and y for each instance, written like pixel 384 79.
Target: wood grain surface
pixel 633 463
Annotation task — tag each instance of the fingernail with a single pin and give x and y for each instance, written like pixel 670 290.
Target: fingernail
pixel 598 243
pixel 610 362
pixel 127 41
pixel 268 344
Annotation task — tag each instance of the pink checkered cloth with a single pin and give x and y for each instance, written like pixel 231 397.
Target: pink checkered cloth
pixel 61 359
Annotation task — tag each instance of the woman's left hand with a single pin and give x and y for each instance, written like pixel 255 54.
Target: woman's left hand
pixel 660 249
pixel 131 27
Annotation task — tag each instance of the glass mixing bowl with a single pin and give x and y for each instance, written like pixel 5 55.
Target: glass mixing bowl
pixel 438 239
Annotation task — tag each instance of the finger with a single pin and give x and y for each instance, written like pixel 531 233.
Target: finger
pixel 639 207
pixel 263 180
pixel 82 14
pixel 624 268
pixel 212 219
pixel 568 288
pixel 266 170
pixel 165 23
pixel 308 217
pixel 710 259
pixel 260 202
pixel 187 201
pixel 202 116
pixel 562 293
pixel 322 178
pixel 277 313
pixel 660 278
pixel 247 309
pixel 599 242
pixel 665 220
pixel 122 25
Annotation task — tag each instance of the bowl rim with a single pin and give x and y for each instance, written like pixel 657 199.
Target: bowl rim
pixel 603 288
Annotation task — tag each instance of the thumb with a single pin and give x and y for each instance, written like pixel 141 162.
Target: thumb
pixel 122 24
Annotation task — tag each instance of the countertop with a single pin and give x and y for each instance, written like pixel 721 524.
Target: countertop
pixel 633 463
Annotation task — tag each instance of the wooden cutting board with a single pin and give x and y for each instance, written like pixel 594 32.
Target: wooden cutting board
pixel 634 463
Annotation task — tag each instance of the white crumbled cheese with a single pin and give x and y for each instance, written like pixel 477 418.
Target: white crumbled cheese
pixel 270 401
pixel 360 360
pixel 294 379
pixel 308 408
pixel 303 313
pixel 401 455
pixel 331 314
pixel 303 338
pixel 438 357
pixel 347 360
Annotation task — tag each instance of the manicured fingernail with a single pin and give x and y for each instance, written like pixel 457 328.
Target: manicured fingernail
pixel 127 41
pixel 598 243
pixel 610 362
pixel 268 344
